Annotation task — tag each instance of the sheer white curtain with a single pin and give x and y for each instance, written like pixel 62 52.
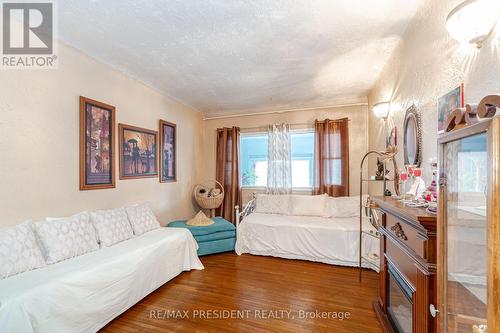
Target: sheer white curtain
pixel 279 160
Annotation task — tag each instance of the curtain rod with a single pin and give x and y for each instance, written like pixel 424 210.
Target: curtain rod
pixel 264 127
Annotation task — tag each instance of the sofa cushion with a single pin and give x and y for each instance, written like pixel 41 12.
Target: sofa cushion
pixel 112 226
pixel 272 204
pixel 19 250
pixel 66 237
pixel 142 219
pixel 219 225
pixel 309 205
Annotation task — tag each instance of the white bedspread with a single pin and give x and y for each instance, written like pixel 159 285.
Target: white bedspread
pixel 85 293
pixel 332 241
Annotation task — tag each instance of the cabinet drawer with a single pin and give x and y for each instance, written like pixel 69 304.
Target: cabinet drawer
pixel 402 261
pixel 406 234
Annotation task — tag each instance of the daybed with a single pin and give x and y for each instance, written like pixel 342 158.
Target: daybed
pixel 85 292
pixel 314 228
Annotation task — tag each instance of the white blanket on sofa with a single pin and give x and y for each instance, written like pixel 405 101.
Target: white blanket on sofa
pixel 83 294
pixel 328 240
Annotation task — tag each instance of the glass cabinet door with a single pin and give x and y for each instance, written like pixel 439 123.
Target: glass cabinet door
pixel 465 164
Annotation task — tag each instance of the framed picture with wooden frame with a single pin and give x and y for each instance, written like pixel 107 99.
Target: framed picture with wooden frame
pixel 138 152
pixel 449 103
pixel 97 142
pixel 168 152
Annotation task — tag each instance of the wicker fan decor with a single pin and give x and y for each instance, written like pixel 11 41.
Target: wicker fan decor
pixel 209 195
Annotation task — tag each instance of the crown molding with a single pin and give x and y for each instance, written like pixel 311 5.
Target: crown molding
pixel 249 113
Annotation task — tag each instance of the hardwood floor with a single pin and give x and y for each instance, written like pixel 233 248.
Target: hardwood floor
pixel 263 288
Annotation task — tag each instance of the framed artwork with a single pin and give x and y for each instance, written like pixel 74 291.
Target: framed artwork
pixel 448 103
pixel 138 152
pixel 97 142
pixel 392 139
pixel 168 155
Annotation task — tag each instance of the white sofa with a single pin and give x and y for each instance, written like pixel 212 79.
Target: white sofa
pixel 84 293
pixel 314 228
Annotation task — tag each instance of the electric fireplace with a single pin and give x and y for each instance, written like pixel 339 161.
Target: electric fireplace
pixel 399 302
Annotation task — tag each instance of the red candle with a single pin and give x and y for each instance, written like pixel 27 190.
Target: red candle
pixel 403 176
pixel 417 172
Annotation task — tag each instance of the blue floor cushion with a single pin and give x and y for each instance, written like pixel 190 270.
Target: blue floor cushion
pixel 214 238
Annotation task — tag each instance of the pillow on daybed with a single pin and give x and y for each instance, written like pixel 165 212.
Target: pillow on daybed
pixel 309 205
pixel 343 207
pixel 19 250
pixel 66 237
pixel 272 204
pixel 142 219
pixel 112 226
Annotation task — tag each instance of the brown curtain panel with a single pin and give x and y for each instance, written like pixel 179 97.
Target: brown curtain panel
pixel 227 170
pixel 331 157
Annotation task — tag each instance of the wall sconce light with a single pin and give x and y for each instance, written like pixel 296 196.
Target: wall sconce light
pixel 381 110
pixel 472 21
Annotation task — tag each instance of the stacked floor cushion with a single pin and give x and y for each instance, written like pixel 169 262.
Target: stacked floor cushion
pixel 215 238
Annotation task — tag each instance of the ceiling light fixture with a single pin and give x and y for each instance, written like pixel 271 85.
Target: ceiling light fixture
pixel 472 21
pixel 381 110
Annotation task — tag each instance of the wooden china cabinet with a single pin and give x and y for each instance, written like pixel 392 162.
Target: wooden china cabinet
pixel 469 221
pixel 407 269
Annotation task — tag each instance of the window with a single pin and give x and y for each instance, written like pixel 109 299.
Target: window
pixel 335 161
pixel 302 159
pixel 253 156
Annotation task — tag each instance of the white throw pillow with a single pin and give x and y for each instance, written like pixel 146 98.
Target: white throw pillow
pixel 112 226
pixel 344 206
pixel 19 250
pixel 309 205
pixel 67 237
pixel 142 219
pixel 272 204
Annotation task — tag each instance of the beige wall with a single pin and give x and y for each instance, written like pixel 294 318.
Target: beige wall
pixel 358 134
pixel 39 126
pixel 428 64
pixel 39 121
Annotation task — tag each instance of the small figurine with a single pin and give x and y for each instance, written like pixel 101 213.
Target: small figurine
pixel 430 195
pixel 379 175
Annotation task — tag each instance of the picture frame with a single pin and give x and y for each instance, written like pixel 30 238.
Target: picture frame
pixel 97 144
pixel 138 152
pixel 168 151
pixel 449 103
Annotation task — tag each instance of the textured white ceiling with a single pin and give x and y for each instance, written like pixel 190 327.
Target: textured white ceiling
pixel 230 56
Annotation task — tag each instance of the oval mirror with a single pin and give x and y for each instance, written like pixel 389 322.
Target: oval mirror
pixel 412 137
